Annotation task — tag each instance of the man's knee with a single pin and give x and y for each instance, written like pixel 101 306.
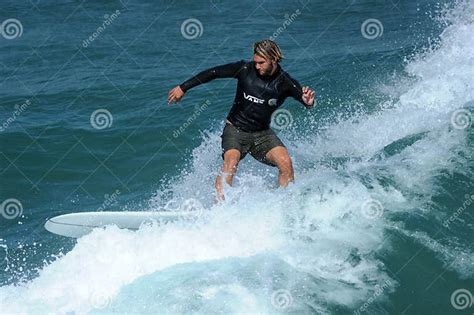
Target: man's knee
pixel 285 165
pixel 280 157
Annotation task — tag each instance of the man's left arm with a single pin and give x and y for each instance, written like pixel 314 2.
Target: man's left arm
pixel 304 95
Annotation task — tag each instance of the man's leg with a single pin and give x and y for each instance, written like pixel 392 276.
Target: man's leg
pixel 229 168
pixel 280 157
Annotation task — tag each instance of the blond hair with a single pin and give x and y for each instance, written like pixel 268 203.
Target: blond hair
pixel 268 49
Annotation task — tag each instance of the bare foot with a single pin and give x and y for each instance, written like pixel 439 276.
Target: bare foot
pixel 219 198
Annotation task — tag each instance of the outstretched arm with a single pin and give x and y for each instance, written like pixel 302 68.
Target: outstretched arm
pixel 302 94
pixel 230 70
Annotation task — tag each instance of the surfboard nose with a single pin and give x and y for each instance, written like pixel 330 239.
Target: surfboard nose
pixel 61 225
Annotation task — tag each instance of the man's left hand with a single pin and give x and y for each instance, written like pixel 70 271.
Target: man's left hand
pixel 308 96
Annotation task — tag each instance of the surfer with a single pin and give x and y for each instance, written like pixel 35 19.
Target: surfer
pixel 262 87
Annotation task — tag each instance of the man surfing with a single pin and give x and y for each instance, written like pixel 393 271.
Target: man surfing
pixel 262 87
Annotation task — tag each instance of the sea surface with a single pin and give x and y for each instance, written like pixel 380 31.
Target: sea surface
pixel 379 219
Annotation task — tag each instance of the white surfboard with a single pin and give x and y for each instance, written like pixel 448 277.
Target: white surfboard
pixel 81 223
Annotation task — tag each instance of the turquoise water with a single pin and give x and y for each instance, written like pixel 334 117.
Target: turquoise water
pixel 378 221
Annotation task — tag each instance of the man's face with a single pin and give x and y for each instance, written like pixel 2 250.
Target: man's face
pixel 263 65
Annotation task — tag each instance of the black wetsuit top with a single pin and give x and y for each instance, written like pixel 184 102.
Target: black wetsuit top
pixel 256 98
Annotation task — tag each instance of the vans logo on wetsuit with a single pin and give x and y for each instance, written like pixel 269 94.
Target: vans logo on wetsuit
pixel 253 99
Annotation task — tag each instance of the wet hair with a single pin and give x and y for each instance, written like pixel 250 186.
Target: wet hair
pixel 268 49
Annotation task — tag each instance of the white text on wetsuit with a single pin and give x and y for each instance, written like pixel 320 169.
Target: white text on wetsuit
pixel 253 98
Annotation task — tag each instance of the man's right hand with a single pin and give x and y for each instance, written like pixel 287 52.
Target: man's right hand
pixel 176 94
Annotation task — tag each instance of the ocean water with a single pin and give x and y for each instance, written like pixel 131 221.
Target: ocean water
pixel 378 221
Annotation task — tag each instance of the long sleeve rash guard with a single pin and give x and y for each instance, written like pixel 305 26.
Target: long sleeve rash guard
pixel 256 98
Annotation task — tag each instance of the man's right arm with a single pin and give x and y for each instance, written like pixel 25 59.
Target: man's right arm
pixel 230 70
